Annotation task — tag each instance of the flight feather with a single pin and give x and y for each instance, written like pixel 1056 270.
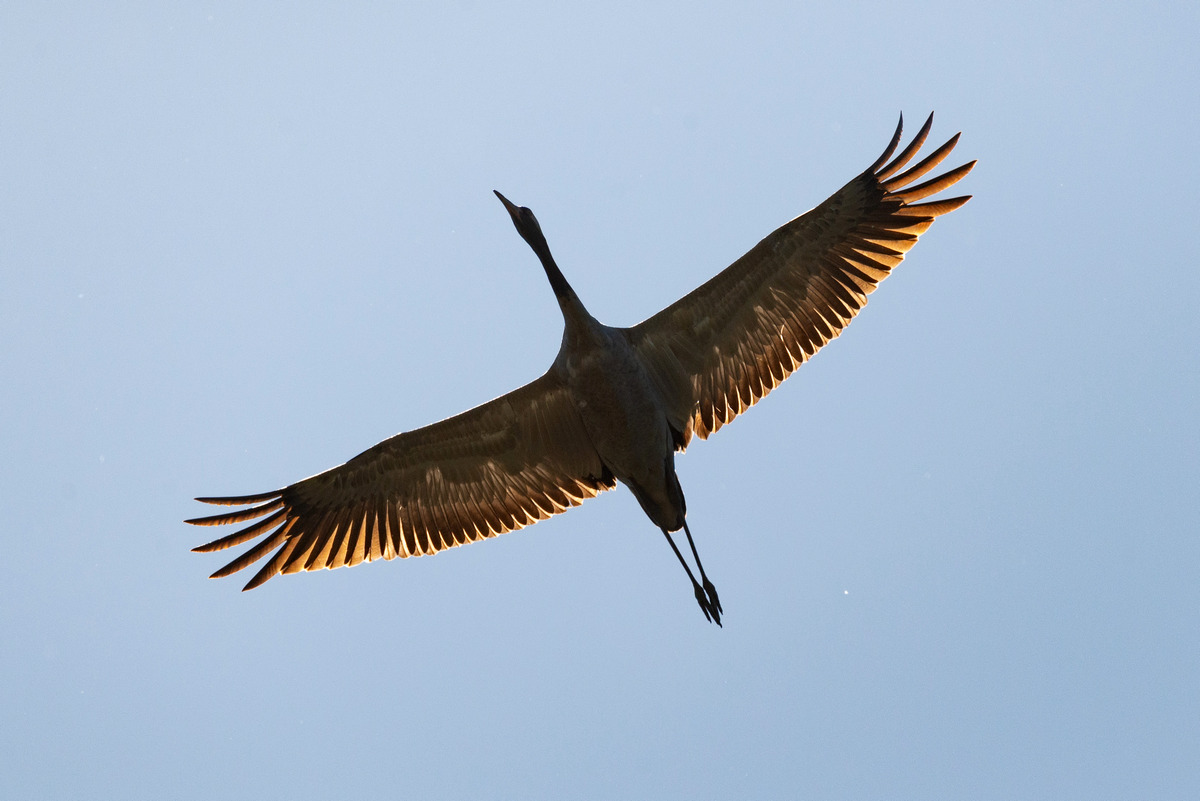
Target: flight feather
pixel 721 348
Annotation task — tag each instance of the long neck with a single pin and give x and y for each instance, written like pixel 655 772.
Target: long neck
pixel 575 316
pixel 558 282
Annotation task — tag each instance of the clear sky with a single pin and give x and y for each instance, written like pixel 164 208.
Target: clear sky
pixel 958 552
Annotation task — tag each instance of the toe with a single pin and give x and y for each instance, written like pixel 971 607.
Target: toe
pixel 714 601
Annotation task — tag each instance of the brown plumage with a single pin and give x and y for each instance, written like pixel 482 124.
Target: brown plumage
pixel 615 405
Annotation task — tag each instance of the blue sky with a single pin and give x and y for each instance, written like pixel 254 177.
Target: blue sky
pixel 957 551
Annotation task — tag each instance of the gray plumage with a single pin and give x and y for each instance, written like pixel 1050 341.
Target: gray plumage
pixel 616 404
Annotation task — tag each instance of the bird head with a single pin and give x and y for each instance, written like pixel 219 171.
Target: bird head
pixel 526 225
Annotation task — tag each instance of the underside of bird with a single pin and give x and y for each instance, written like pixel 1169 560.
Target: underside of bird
pixel 535 452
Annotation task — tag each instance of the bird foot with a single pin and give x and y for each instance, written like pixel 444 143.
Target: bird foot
pixel 712 613
pixel 713 601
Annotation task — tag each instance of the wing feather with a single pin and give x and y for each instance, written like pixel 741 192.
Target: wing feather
pixel 923 166
pixel 242 535
pixel 501 466
pixel 723 347
pixel 908 152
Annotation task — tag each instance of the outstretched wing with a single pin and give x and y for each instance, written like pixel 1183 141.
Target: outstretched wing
pixel 498 467
pixel 718 350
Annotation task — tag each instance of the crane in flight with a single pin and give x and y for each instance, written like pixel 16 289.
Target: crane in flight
pixel 615 405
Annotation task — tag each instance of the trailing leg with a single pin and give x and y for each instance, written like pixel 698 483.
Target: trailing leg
pixel 713 600
pixel 705 594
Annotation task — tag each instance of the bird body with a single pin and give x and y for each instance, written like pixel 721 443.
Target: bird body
pixel 623 416
pixel 615 405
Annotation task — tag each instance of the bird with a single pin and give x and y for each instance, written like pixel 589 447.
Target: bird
pixel 616 404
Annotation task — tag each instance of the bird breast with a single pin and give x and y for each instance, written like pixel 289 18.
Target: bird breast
pixel 619 406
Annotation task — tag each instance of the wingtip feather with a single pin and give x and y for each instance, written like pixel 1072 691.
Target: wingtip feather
pixel 922 167
pixel 935 208
pixel 891 148
pixel 906 155
pixel 934 185
pixel 240 500
pixel 237 517
pixel 274 540
pixel 241 535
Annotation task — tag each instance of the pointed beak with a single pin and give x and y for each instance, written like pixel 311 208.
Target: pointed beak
pixel 512 209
